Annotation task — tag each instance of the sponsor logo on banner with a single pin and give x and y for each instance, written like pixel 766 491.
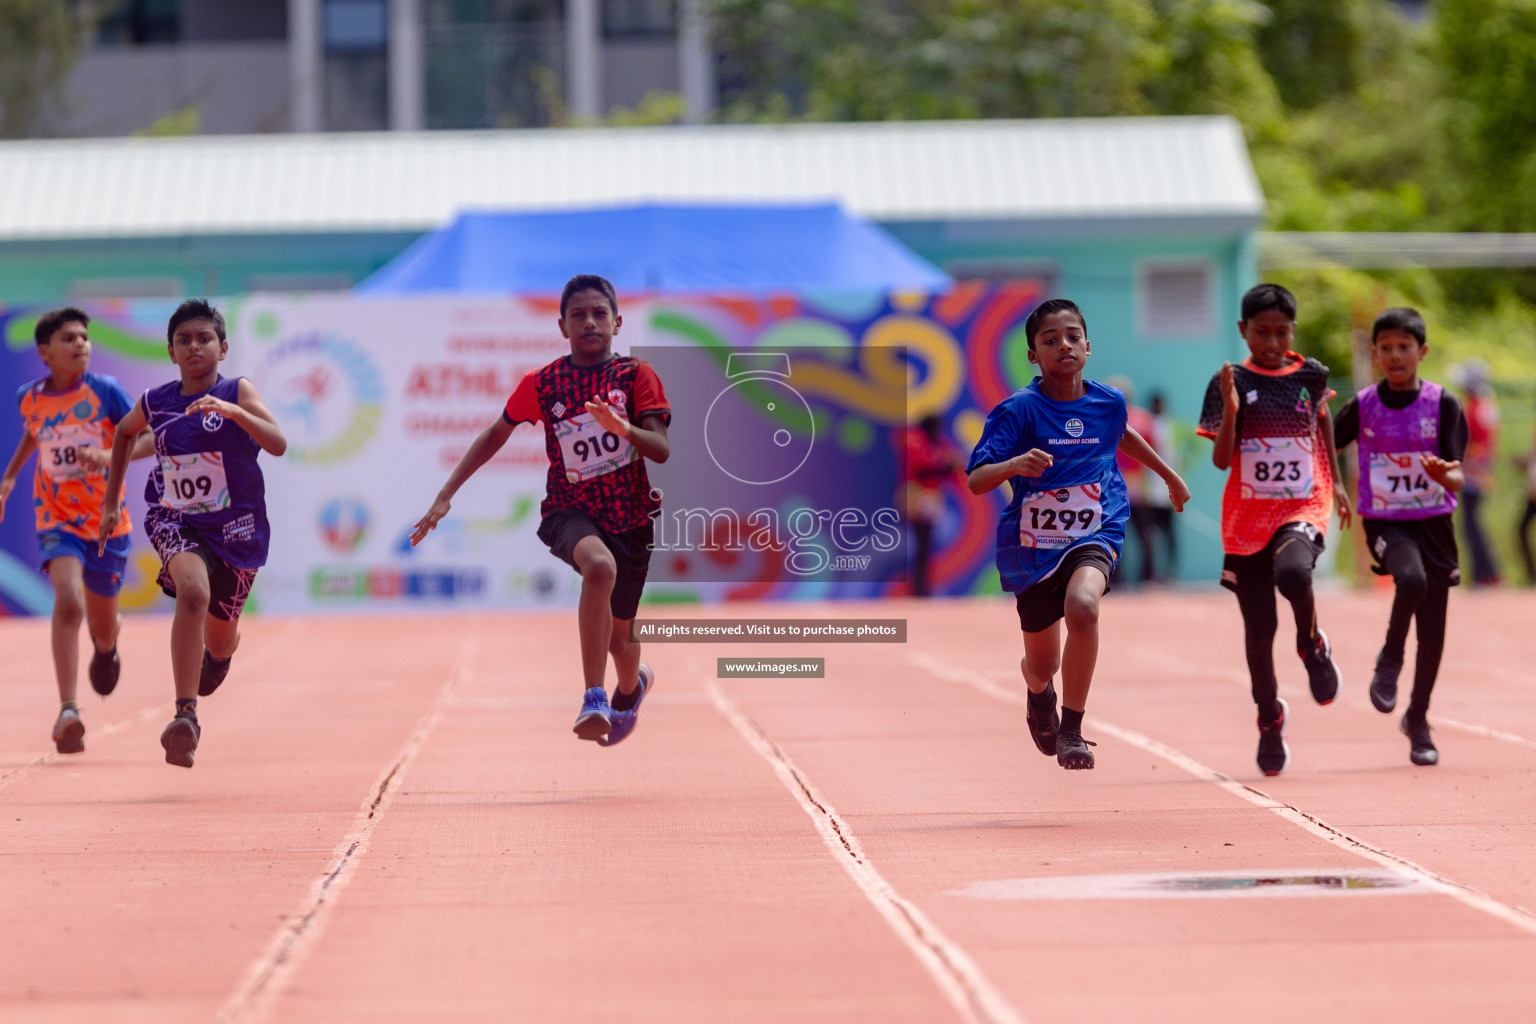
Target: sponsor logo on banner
pixel 344 524
pixel 328 394
pixel 387 583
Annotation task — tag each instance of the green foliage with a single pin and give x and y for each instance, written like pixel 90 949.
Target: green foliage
pixel 39 44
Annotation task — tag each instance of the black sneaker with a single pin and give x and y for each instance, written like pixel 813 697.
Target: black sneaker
pixel 1072 751
pixel 212 674
pixel 1421 749
pixel 1322 672
pixel 1274 755
pixel 180 739
pixel 1384 682
pixel 104 670
pixel 1043 720
pixel 69 732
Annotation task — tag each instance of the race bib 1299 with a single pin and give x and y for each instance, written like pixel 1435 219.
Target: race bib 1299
pixel 1059 518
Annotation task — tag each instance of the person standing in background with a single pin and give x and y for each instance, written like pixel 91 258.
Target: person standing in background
pixel 1523 534
pixel 1482 449
pixel 1157 511
pixel 1136 482
pixel 930 460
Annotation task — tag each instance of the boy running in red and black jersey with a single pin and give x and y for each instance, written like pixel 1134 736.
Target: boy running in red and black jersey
pixel 1270 421
pixel 603 416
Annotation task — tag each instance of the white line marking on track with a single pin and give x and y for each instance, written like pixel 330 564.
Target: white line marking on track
pixel 975 998
pixel 21 771
pixel 265 978
pixel 1481 730
pixel 1517 916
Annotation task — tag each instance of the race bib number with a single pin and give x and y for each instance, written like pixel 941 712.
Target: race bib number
pixel 1059 518
pixel 195 482
pixel 589 451
pixel 1399 483
pixel 59 455
pixel 1276 468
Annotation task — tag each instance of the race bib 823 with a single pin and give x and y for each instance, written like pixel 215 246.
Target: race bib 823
pixel 1276 468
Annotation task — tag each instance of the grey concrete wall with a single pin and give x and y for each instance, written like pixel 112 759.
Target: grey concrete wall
pixel 238 88
pixel 233 20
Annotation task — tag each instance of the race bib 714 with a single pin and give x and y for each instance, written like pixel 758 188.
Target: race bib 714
pixel 1399 483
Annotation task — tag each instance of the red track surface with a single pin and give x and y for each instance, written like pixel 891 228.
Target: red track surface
pixel 390 821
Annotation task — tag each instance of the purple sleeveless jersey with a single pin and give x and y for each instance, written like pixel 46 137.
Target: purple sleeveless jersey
pixel 206 474
pixel 1392 483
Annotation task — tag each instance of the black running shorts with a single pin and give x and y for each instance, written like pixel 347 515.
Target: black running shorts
pixel 1044 603
pixel 563 529
pixel 1244 574
pixel 1435 538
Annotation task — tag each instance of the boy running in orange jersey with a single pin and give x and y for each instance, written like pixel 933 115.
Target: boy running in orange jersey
pixel 1269 418
pixel 603 416
pixel 69 418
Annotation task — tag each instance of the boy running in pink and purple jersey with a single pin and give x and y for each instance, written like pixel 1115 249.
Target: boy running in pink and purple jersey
pixel 1411 435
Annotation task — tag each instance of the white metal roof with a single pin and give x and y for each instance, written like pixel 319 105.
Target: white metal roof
pixel 1037 170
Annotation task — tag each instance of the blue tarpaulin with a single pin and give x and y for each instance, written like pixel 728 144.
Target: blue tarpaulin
pixel 659 248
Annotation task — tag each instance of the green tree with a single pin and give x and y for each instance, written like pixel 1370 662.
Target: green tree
pixel 39 44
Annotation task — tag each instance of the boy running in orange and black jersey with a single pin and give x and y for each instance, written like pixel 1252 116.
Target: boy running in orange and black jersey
pixel 69 418
pixel 1411 435
pixel 1269 418
pixel 603 416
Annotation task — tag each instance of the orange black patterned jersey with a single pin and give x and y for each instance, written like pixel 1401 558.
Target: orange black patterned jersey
pixel 1280 471
pixel 592 470
pixel 67 492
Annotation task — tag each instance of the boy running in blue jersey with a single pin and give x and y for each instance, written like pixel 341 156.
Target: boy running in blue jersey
pixel 207 506
pixel 69 418
pixel 1058 543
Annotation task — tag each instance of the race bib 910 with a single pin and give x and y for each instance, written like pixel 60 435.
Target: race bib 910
pixel 587 450
pixel 58 455
pixel 194 482
pixel 1059 518
pixel 1276 468
pixel 1399 483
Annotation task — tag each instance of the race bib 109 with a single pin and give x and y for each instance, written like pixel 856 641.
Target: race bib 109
pixel 587 450
pixel 1059 518
pixel 1399 483
pixel 1276 468
pixel 194 482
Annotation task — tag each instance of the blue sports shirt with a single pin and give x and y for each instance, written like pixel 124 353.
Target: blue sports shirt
pixel 1080 500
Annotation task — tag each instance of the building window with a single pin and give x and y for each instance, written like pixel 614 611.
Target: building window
pixel 355 25
pixel 139 22
pixel 631 19
pixel 1177 298
pixel 1003 268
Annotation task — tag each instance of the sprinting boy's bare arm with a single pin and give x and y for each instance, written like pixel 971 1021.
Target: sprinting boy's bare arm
pixel 124 444
pixel 1340 490
pixel 1226 434
pixel 1446 474
pixel 24 449
pixel 1136 446
pixel 480 450
pixel 649 437
pixel 988 477
pixel 101 458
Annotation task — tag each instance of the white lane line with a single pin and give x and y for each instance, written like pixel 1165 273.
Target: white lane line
pixel 1475 898
pixel 975 998
pixel 1481 730
pixel 267 976
pixel 21 771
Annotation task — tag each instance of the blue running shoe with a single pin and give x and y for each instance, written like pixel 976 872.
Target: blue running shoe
pixel 596 716
pixel 624 721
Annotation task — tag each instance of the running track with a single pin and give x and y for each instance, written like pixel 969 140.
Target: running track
pixel 390 821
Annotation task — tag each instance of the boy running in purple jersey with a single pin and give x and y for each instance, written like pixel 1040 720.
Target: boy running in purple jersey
pixel 603 416
pixel 207 506
pixel 69 418
pixel 1411 435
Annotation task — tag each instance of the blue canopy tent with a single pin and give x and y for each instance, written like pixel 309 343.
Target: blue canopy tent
pixel 659 248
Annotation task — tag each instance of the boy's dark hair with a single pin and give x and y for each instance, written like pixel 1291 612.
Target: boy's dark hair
pixel 1262 298
pixel 582 282
pixel 54 319
pixel 195 309
pixel 1401 318
pixel 1045 309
